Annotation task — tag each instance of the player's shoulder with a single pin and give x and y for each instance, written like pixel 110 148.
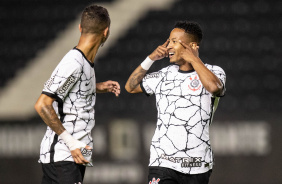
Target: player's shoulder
pixel 162 72
pixel 73 58
pixel 214 68
pixel 70 63
pixel 171 68
pixel 168 69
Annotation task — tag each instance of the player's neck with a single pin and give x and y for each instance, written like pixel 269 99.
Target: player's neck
pixel 186 67
pixel 89 45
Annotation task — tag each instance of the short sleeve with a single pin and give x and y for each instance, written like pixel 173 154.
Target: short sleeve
pixel 150 82
pixel 62 79
pixel 219 72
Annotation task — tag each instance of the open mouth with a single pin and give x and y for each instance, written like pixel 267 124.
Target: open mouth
pixel 170 54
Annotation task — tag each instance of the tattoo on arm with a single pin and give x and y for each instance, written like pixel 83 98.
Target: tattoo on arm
pixel 51 119
pixel 136 78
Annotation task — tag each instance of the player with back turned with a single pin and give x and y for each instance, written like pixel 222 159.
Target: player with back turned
pixel 187 94
pixel 67 102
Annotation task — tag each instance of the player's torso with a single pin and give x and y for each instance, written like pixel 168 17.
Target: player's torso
pixel 80 101
pixel 181 139
pixel 79 104
pixel 183 96
pixel 75 109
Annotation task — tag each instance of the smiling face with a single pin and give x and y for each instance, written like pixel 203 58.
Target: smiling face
pixel 174 47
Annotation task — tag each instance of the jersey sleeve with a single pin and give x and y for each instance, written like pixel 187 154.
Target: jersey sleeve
pixel 62 79
pixel 150 82
pixel 219 72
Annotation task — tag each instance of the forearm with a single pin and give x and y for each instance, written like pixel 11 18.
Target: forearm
pixel 44 108
pixel 99 88
pixel 135 79
pixel 49 116
pixel 133 83
pixel 209 80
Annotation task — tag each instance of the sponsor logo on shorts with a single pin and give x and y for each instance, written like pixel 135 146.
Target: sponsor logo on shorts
pixel 184 161
pixel 154 181
pixel 86 152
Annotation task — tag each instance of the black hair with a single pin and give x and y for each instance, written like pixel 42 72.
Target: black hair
pixel 94 19
pixel 192 28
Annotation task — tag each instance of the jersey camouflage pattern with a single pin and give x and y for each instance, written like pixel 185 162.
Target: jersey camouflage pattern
pixel 73 85
pixel 185 111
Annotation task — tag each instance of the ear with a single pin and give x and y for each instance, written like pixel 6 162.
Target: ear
pixel 106 31
pixel 194 45
pixel 79 27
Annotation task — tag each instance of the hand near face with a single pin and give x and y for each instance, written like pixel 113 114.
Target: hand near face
pixel 160 52
pixel 190 51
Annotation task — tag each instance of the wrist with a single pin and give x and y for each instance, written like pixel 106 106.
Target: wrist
pixel 99 86
pixel 70 141
pixel 147 63
pixel 195 60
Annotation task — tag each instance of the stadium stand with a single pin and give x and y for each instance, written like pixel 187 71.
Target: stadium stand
pixel 235 37
pixel 28 26
pixel 239 36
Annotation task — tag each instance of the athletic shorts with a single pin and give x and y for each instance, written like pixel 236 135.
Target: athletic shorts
pixel 162 175
pixel 64 172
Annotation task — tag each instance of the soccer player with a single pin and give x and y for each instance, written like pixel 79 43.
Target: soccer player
pixel 187 94
pixel 67 102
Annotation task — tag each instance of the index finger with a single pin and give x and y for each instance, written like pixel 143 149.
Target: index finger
pixel 83 160
pixel 183 44
pixel 166 43
pixel 78 157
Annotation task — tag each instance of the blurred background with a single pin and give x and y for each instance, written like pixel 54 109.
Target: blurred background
pixel 242 37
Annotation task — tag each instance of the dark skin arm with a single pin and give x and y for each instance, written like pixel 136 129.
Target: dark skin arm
pixel 209 80
pixel 133 83
pixel 46 111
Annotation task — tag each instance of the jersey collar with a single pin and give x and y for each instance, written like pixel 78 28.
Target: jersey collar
pixel 91 64
pixel 189 71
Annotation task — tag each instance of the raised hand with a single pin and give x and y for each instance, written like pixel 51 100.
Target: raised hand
pixel 190 51
pixel 160 52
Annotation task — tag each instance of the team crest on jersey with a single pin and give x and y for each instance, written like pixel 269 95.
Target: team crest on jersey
pixel 154 181
pixel 194 83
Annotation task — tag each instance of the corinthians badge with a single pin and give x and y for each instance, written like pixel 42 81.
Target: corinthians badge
pixel 194 83
pixel 154 181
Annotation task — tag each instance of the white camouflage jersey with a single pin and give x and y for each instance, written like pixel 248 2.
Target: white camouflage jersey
pixel 73 85
pixel 185 111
